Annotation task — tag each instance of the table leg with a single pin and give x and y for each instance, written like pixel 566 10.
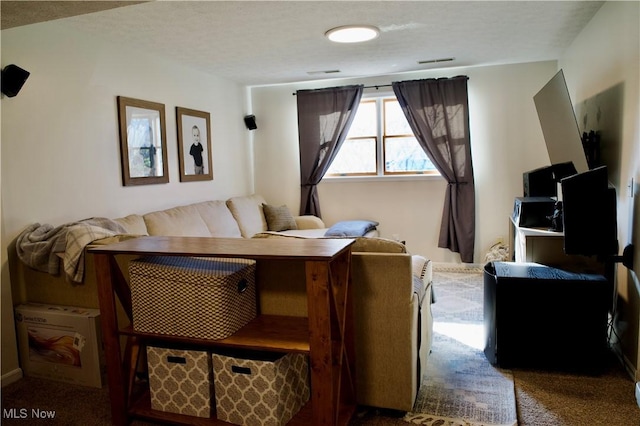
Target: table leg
pixel 320 342
pixel 332 348
pixel 341 280
pixel 111 339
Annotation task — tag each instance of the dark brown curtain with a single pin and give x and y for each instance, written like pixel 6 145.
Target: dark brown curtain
pixel 324 118
pixel 438 113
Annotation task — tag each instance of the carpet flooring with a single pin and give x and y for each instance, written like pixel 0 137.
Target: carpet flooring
pixel 460 387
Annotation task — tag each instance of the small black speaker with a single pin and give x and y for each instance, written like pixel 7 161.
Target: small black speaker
pixel 13 77
pixel 250 122
pixel 539 183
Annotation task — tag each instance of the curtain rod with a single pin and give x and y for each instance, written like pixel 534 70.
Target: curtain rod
pixel 377 86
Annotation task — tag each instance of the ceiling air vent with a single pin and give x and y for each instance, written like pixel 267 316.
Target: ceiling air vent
pixel 433 61
pixel 323 72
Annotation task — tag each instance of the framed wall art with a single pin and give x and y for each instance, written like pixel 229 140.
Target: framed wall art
pixel 143 146
pixel 194 144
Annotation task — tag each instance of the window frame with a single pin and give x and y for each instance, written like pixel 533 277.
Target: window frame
pixel 380 138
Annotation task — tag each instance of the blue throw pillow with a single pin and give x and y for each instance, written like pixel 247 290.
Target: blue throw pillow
pixel 351 228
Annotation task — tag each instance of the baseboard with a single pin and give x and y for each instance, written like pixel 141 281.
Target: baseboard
pixel 11 377
pixel 626 364
pixel 616 348
pixel 457 267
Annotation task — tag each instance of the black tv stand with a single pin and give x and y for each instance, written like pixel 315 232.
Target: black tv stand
pixel 544 317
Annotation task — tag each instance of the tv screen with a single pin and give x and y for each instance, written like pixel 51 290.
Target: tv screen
pixel 589 214
pixel 559 125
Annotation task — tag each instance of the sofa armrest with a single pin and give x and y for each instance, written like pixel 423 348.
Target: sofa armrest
pixel 386 329
pixel 309 222
pixel 422 268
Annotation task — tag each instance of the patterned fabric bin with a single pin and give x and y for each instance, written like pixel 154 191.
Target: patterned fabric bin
pixel 267 390
pixel 180 381
pixel 206 298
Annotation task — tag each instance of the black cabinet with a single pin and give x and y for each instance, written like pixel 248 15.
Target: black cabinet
pixel 539 316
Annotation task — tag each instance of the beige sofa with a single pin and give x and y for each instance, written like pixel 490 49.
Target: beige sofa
pixel 392 289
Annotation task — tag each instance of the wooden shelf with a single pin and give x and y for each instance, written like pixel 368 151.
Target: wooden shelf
pixel 265 332
pixel 141 409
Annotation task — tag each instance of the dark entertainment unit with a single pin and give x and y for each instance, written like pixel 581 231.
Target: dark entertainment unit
pixel 538 316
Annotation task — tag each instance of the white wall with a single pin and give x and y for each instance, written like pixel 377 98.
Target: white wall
pixel 604 55
pixel 60 146
pixel 506 140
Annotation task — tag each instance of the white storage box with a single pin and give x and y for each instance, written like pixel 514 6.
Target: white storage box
pixel 180 381
pixel 206 298
pixel 60 343
pixel 267 390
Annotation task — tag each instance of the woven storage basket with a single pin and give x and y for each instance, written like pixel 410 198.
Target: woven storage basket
pixel 267 389
pixel 180 381
pixel 206 298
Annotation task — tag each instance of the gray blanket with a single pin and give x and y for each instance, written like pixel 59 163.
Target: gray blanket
pixel 40 246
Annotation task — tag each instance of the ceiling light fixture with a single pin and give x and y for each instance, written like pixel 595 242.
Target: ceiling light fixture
pixel 352 33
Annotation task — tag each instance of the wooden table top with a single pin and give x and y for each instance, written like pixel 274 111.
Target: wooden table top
pixel 253 248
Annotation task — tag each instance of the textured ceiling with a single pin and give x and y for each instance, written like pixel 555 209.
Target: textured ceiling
pixel 272 42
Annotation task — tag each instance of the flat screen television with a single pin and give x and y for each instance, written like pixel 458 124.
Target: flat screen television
pixel 589 214
pixel 559 125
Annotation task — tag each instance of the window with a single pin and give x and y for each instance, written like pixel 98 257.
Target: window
pixel 380 143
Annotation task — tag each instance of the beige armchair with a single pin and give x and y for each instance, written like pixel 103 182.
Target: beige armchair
pixel 394 328
pixel 393 320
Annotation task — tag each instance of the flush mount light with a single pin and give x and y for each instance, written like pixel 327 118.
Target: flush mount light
pixel 352 33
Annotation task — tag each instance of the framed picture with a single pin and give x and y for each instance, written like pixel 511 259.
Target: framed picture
pixel 143 147
pixel 194 145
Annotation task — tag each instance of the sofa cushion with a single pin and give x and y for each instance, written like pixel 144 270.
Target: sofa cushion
pixel 309 222
pixel 247 211
pixel 279 218
pixel 377 244
pixel 134 224
pixel 218 218
pixel 183 221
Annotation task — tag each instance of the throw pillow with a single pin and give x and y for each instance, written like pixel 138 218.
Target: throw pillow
pixel 279 218
pixel 351 228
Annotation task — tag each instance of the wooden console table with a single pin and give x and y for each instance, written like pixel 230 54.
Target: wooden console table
pixel 326 335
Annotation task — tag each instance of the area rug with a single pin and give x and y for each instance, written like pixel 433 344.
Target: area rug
pixel 460 387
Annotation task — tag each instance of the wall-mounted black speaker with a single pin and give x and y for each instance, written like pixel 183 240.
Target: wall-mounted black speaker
pixel 250 122
pixel 13 77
